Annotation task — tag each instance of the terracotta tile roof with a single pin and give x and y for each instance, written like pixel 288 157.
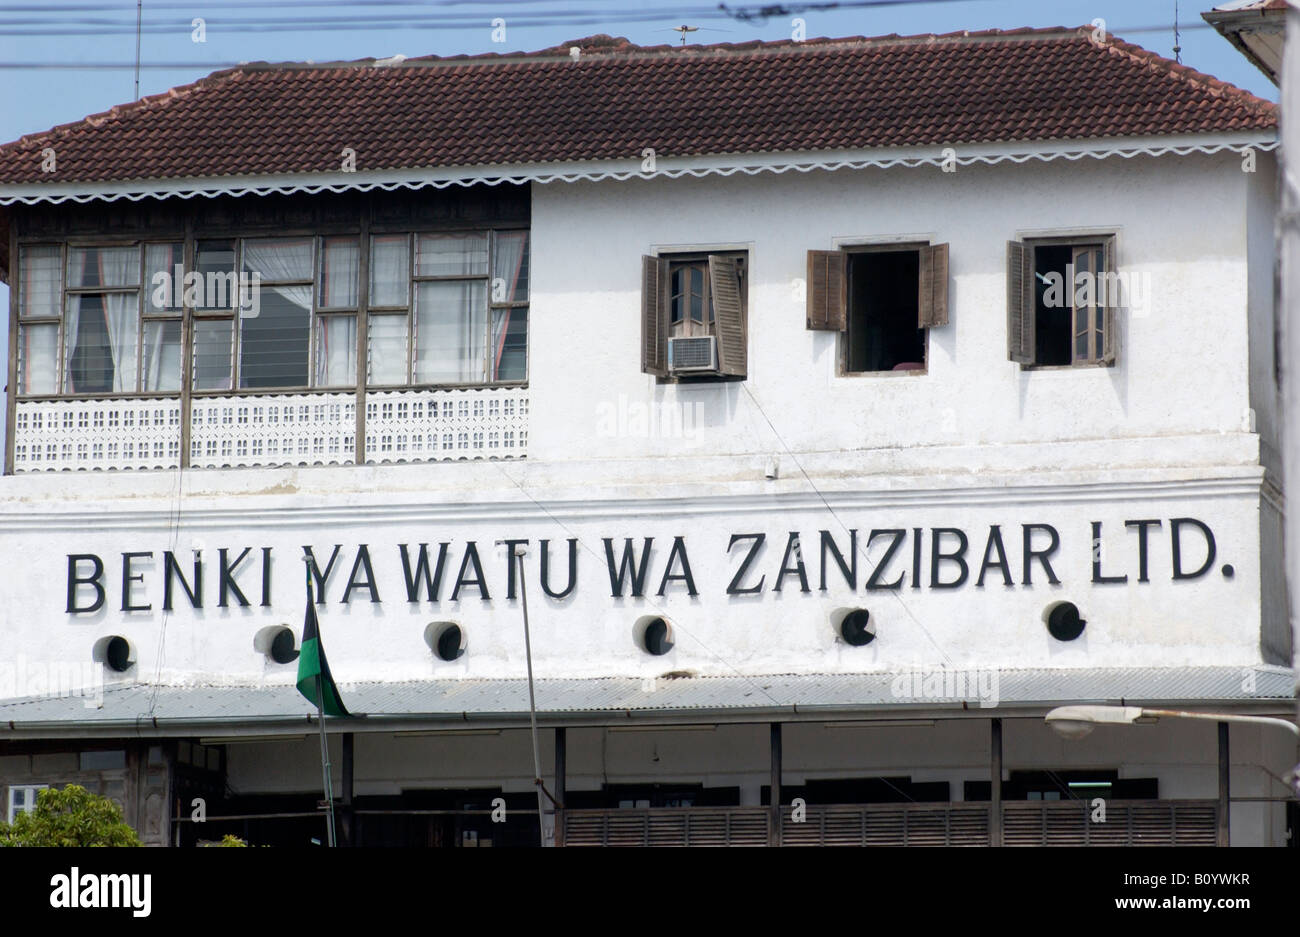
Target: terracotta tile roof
pixel 617 98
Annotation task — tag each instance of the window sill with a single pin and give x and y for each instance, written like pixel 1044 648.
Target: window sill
pixel 885 374
pixel 1088 366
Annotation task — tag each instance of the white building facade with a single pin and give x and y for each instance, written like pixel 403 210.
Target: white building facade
pixel 832 470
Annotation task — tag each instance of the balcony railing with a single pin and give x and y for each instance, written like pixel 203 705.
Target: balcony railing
pixel 436 425
pixel 1025 823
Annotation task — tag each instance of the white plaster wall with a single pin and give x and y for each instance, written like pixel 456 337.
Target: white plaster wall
pixel 1181 223
pixel 1212 620
pixel 972 443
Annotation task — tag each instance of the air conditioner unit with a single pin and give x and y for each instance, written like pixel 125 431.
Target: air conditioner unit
pixel 696 354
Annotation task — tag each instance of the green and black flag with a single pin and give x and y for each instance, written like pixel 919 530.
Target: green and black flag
pixel 314 679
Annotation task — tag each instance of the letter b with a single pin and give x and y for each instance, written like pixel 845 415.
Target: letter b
pixel 92 580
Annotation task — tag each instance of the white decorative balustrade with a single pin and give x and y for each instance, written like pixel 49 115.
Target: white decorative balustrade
pixel 296 429
pixel 83 435
pixel 292 429
pixel 447 425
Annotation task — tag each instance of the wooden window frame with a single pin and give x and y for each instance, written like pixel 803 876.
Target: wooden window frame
pixel 1108 354
pixel 672 260
pixel 409 311
pixel 69 291
pixel 836 314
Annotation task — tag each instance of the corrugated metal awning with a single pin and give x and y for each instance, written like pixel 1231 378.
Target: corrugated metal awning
pixel 142 709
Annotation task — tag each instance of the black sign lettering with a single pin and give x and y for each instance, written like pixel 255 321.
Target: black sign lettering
pixel 93 580
pixel 734 587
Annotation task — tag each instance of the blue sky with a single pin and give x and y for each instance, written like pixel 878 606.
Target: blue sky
pixel 64 89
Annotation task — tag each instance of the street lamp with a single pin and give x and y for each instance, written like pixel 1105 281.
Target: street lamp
pixel 1074 722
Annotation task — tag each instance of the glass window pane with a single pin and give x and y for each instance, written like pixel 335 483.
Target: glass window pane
pixel 510 344
pixel 215 263
pixel 279 258
pixel 339 264
pixel 38 293
pixel 213 353
pixel 451 332
pixel 273 342
pixel 100 335
pixel 386 350
pixel 450 255
pixel 164 277
pixel 336 351
pixel 38 353
pixel 103 266
pixel 510 268
pixel 390 271
pixel 162 355
pixel 103 761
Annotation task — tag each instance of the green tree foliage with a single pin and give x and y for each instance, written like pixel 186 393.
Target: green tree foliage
pixel 69 817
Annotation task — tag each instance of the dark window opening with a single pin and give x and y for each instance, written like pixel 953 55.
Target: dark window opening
pixel 633 796
pixel 900 790
pixel 1052 320
pixel 883 298
pixel 1067 785
pixel 1062 300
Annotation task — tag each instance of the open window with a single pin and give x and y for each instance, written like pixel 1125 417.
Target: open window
pixel 1063 297
pixel 693 315
pixel 882 301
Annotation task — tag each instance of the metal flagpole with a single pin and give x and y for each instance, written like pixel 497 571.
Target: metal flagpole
pixel 532 709
pixel 325 763
pixel 320 714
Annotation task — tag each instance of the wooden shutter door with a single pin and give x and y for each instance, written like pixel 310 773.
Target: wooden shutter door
pixel 1021 335
pixel 1109 350
pixel 654 315
pixel 728 315
pixel 826 297
pixel 932 307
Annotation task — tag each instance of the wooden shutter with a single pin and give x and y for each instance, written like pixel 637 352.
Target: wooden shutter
pixel 826 297
pixel 728 314
pixel 932 307
pixel 1021 336
pixel 654 315
pixel 1109 350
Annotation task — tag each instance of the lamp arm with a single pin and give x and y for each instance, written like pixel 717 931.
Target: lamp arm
pixel 1219 717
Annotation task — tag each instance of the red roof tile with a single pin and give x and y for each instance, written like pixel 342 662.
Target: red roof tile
pixel 617 98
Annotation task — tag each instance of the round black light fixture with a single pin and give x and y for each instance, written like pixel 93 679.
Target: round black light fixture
pixel 658 637
pixel 277 643
pixel 448 644
pixel 282 647
pixel 856 629
pixel 446 639
pixel 1064 621
pixel 114 652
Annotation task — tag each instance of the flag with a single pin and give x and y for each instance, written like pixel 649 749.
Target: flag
pixel 314 670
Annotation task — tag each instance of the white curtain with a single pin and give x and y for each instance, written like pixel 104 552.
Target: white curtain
pixel 282 259
pixel 387 354
pixel 41 280
pixel 340 262
pixel 390 272
pixel 40 357
pixel 507 266
pixel 509 262
pixel 279 258
pixel 122 313
pixel 120 326
pixel 162 356
pixel 336 346
pixel 451 333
